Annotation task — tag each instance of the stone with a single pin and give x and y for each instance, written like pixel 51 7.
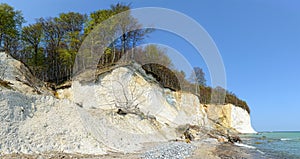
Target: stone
pixel 222 140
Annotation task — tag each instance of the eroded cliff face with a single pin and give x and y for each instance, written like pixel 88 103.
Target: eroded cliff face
pixel 126 85
pixel 226 117
pixel 123 109
pixel 19 76
pixel 125 88
pixel 240 120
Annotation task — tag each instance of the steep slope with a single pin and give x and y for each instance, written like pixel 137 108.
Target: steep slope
pixel 119 112
pixel 33 121
pixel 228 116
pixel 19 76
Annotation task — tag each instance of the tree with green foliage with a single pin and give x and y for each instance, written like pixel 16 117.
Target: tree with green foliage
pixel 10 26
pixel 31 37
pixel 49 48
pixel 52 37
pixel 62 38
pixel 72 23
pixel 130 31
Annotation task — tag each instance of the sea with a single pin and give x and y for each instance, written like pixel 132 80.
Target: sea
pixel 273 145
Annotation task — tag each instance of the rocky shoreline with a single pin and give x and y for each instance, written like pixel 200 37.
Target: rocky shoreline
pixel 208 149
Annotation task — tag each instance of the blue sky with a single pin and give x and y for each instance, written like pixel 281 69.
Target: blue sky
pixel 258 40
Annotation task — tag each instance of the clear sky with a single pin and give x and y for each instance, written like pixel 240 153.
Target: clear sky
pixel 258 40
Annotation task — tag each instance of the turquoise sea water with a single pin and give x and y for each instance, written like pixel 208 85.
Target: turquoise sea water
pixel 277 145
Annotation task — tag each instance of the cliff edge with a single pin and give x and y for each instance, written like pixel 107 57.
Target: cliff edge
pixel 118 112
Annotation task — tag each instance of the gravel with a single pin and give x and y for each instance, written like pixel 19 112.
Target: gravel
pixel 173 150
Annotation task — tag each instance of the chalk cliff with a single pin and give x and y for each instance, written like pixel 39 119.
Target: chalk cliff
pixel 229 116
pixel 120 111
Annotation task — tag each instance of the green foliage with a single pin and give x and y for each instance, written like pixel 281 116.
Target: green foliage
pixel 54 42
pixel 31 37
pixel 205 94
pixel 128 29
pixel 96 18
pixel 72 25
pixel 163 75
pixel 175 80
pixel 72 22
pixel 233 99
pixel 49 48
pixel 205 97
pixel 10 26
pixel 50 45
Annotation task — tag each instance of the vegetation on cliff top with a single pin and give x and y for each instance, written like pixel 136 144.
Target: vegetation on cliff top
pixel 49 46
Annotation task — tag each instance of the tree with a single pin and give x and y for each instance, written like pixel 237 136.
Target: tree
pixel 31 36
pixel 130 31
pixel 62 38
pixel 198 76
pixel 153 54
pixel 10 26
pixel 218 95
pixel 97 18
pixel 52 38
pixel 72 23
pixel 50 45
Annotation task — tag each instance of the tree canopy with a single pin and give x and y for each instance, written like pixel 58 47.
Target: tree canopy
pixel 49 47
pixel 10 24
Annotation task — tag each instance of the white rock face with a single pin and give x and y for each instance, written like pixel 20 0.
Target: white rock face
pixel 18 75
pixel 230 116
pixel 240 120
pixel 85 119
pixel 124 88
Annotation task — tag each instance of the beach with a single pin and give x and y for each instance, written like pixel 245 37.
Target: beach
pixel 206 149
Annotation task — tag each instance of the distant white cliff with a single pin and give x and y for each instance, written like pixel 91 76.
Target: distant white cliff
pixel 240 120
pixel 230 116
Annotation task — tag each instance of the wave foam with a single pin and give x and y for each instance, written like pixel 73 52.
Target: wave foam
pixel 285 139
pixel 260 152
pixel 244 145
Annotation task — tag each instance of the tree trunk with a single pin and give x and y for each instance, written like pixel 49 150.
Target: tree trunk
pixel 114 55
